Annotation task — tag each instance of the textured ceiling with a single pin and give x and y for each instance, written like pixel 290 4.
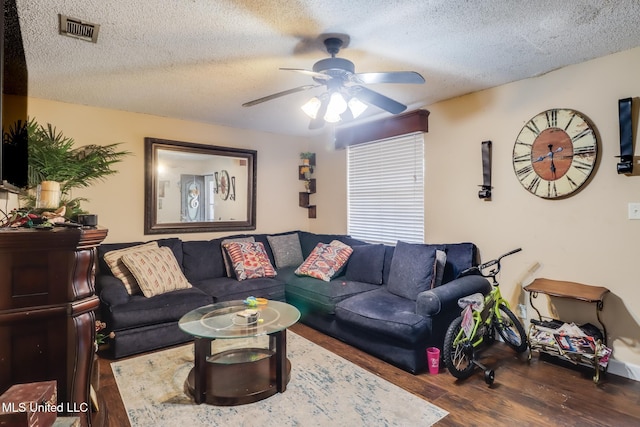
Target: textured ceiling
pixel 201 60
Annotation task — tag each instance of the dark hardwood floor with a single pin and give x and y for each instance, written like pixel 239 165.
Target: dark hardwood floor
pixel 536 393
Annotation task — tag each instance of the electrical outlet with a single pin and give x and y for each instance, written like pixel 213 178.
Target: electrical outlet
pixel 522 310
pixel 634 210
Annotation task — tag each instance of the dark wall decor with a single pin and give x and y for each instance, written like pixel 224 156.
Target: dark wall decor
pixel 198 188
pixel 625 166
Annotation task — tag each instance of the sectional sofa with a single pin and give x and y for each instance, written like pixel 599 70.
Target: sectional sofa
pixel 391 301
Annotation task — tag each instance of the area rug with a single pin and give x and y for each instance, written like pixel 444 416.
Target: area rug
pixel 325 390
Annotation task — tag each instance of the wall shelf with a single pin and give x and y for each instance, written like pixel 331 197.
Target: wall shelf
pixel 304 174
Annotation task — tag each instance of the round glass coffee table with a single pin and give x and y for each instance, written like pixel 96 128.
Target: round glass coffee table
pixel 240 375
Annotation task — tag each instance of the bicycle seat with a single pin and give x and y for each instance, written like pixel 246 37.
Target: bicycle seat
pixel 476 301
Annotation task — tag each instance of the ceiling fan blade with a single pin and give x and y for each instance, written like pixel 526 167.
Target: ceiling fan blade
pixel 308 73
pixel 278 95
pixel 390 77
pixel 371 97
pixel 318 122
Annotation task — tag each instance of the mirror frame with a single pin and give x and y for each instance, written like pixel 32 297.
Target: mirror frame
pixel 151 225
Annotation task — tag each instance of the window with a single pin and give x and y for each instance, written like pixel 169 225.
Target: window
pixel 385 190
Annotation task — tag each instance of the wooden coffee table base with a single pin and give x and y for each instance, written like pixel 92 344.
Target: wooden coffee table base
pixel 239 376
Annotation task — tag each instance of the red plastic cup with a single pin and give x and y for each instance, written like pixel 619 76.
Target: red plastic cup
pixel 433 360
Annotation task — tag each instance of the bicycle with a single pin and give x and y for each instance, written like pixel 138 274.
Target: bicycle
pixel 481 317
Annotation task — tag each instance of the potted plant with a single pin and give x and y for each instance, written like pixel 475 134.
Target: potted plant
pixel 308 158
pixel 56 167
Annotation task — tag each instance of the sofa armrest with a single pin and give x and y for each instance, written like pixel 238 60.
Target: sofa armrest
pixel 444 298
pixel 112 290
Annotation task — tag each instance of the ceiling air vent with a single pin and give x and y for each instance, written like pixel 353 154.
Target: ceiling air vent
pixel 78 29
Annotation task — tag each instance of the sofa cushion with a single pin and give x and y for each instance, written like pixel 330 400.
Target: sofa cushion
pixel 141 311
pixel 249 260
pixel 202 260
pixel 325 261
pixel 460 256
pixel 412 269
pixel 441 262
pixel 366 264
pixel 308 241
pixel 113 259
pixel 385 313
pixel 228 289
pixel 286 250
pixel 156 271
pixel 319 295
pixel 228 264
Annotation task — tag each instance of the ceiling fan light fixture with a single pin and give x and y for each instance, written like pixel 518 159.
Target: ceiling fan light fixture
pixel 357 107
pixel 337 104
pixel 332 117
pixel 311 107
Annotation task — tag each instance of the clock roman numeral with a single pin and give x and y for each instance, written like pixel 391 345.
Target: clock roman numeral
pixel 518 142
pixel 588 149
pixel 584 167
pixel 569 122
pixel 525 171
pixel 580 135
pixel 533 185
pixel 522 158
pixel 533 128
pixel 552 118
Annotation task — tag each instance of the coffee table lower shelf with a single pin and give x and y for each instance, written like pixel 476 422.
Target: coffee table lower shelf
pixel 239 376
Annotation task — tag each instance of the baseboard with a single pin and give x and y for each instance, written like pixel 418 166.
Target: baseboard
pixel 626 370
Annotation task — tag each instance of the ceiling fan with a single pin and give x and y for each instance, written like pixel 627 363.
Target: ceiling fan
pixel 346 96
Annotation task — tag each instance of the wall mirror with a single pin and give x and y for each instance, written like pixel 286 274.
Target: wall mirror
pixel 191 188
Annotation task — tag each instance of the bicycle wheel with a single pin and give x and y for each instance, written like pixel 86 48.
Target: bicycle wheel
pixel 511 330
pixel 457 357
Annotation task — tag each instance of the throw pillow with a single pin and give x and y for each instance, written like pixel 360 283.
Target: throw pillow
pixel 441 262
pixel 286 250
pixel 325 260
pixel 119 270
pixel 412 269
pixel 249 260
pixel 228 265
pixel 365 264
pixel 156 271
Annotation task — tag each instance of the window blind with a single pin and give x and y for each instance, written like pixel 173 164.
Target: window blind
pixel 385 190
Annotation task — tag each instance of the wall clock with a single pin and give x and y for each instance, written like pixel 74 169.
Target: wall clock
pixel 555 153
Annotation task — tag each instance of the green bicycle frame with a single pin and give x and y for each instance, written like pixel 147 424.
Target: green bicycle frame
pixel 490 311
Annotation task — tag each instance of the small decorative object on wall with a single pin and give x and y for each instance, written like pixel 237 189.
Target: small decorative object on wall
pixel 305 172
pixel 485 191
pixel 555 153
pixel 626 136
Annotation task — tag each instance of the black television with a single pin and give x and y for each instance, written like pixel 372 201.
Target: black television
pixel 13 105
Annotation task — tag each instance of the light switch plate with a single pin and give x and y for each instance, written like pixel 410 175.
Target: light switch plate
pixel 634 210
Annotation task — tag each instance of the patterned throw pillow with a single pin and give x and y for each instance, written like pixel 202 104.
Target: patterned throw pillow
pixel 156 270
pixel 249 260
pixel 325 260
pixel 119 270
pixel 228 265
pixel 286 250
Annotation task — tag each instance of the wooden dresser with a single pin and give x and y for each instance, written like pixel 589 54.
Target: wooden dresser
pixel 47 303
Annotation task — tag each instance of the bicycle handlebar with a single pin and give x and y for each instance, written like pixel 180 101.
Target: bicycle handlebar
pixel 481 267
pixel 497 260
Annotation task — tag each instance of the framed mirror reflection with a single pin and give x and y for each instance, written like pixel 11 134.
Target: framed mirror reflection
pixel 198 188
